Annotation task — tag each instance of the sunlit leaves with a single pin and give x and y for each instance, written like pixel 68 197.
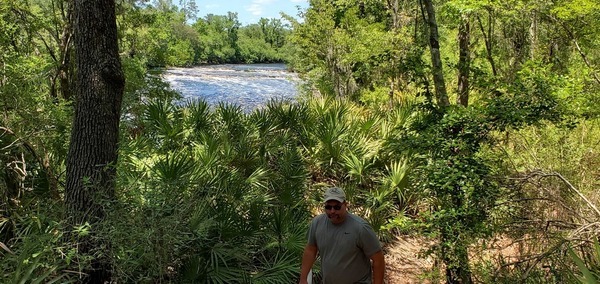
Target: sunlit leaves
pixel 572 9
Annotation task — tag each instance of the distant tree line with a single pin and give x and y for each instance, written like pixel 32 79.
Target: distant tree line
pixel 167 35
pixel 459 123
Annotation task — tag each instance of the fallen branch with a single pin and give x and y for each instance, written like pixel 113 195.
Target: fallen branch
pixel 52 178
pixel 587 201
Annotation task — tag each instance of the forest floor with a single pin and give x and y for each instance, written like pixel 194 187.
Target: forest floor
pixel 406 264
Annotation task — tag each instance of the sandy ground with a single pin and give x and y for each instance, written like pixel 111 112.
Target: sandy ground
pixel 403 262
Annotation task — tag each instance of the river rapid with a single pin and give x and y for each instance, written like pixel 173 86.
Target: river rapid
pixel 248 85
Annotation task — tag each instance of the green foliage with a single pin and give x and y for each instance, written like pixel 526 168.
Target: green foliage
pixel 216 197
pixel 588 266
pixel 453 169
pixel 162 36
pixel 262 42
pixel 180 54
pixel 222 196
pixel 530 98
pixel 38 253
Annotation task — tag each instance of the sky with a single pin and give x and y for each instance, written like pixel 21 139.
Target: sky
pixel 250 11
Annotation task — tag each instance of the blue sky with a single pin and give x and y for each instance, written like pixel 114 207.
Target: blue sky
pixel 250 11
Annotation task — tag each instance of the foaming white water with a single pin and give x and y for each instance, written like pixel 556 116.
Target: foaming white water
pixel 248 85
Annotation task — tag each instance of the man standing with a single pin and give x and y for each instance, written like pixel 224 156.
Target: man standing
pixel 346 243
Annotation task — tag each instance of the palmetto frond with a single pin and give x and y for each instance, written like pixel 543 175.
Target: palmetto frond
pixel 290 174
pixel 175 168
pixel 287 228
pixel 397 179
pixel 199 117
pixel 398 174
pixel 356 167
pixel 259 178
pixel 280 268
pixel 164 123
pixel 330 131
pixel 220 265
pixel 261 119
pixel 232 119
pixel 293 117
pixel 403 113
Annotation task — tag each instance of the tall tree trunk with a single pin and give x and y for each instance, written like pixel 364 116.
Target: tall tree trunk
pixel 581 52
pixel 464 60
pixel 394 10
pixel 533 35
pixel 93 147
pixel 456 259
pixel 454 249
pixel 393 7
pixel 65 67
pixel 434 47
pixel 63 35
pixel 487 36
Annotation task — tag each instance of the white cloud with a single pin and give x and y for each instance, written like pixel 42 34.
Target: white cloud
pixel 254 9
pixel 257 6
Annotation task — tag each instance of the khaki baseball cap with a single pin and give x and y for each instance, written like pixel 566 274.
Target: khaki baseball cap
pixel 335 193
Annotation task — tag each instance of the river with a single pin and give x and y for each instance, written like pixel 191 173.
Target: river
pixel 248 85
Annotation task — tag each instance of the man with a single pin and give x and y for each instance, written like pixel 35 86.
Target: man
pixel 347 245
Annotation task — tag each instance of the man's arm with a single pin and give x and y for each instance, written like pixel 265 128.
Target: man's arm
pixel 308 259
pixel 378 267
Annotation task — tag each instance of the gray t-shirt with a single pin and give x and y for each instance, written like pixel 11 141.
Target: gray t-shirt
pixel 344 248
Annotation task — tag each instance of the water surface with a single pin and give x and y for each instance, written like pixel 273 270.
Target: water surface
pixel 247 85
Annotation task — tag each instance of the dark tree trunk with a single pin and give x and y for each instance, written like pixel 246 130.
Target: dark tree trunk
pixel 456 259
pixel 393 7
pixel 60 82
pixel 464 60
pixel 64 67
pixel 434 47
pixel 93 147
pixel 487 36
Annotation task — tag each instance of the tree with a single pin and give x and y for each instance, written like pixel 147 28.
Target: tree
pixel 93 147
pixel 464 61
pixel 434 48
pixel 218 35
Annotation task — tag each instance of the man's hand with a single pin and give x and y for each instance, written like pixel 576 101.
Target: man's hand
pixel 378 267
pixel 308 259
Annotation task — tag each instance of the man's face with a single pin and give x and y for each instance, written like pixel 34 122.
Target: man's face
pixel 336 211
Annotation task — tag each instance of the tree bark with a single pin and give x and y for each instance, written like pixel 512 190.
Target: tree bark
pixel 487 36
pixel 60 82
pixel 93 147
pixel 392 6
pixel 533 35
pixel 581 53
pixel 434 47
pixel 464 60
pixel 456 259
pixel 64 67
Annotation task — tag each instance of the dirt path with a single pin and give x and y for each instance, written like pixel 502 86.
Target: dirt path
pixel 403 264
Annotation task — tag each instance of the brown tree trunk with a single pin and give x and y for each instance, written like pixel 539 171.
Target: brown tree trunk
pixel 581 53
pixel 533 35
pixel 93 147
pixel 61 80
pixel 487 36
pixel 434 47
pixel 458 274
pixel 393 7
pixel 464 60
pixel 64 67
